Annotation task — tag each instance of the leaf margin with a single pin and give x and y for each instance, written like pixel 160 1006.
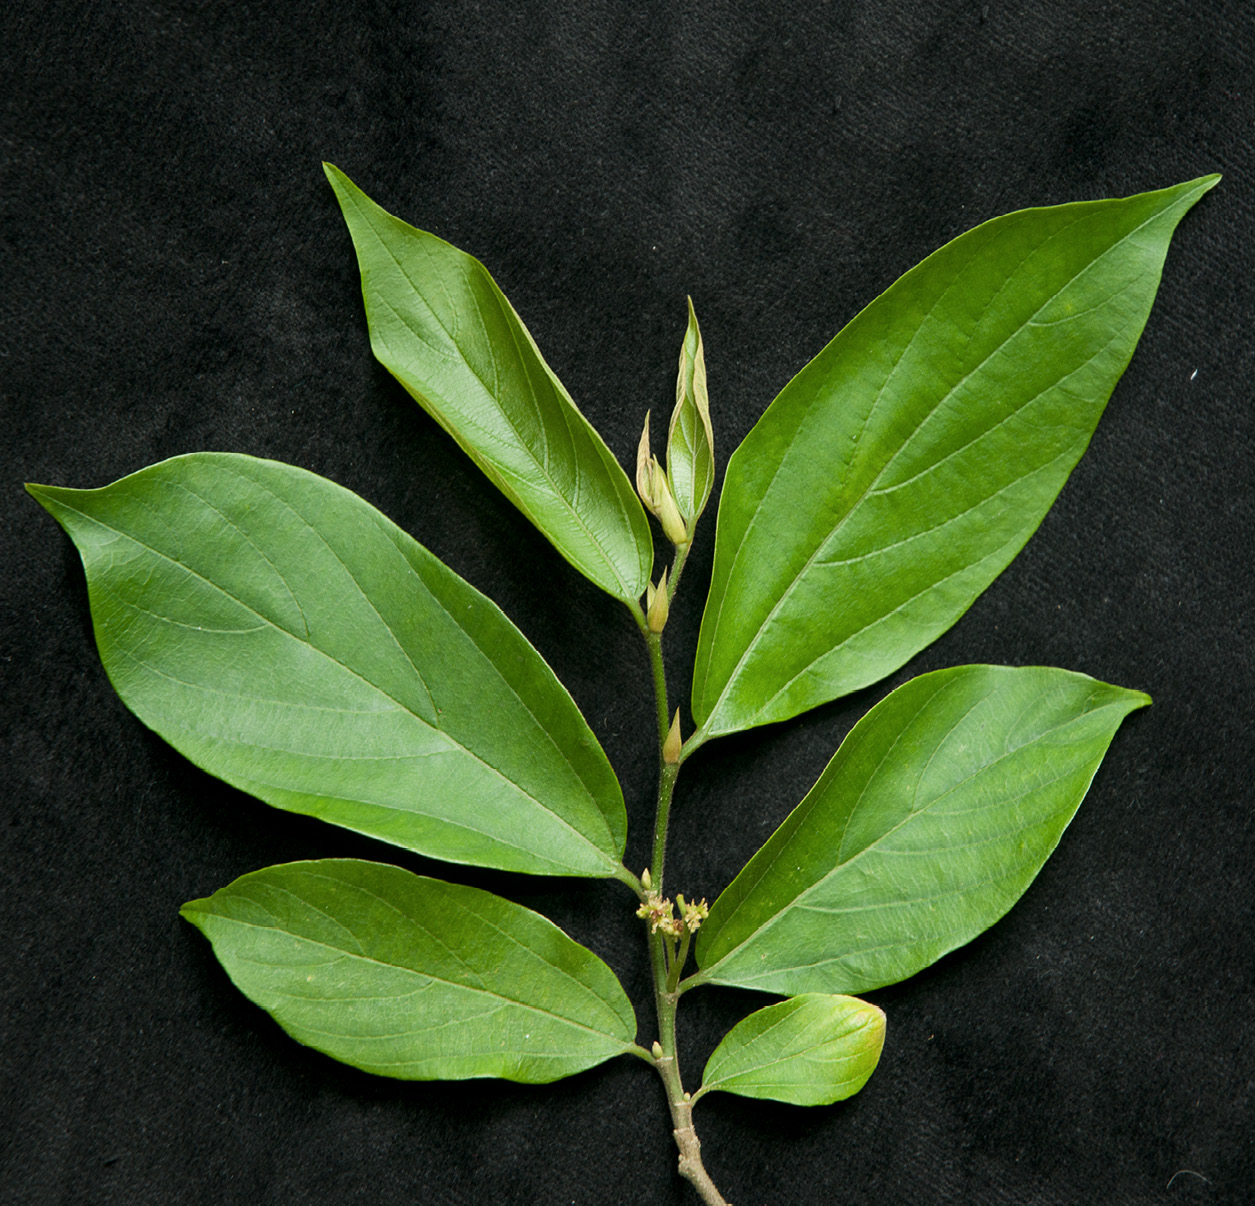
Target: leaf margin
pixel 541 927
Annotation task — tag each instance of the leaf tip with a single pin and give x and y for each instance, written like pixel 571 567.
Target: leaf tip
pixel 1194 190
pixel 193 911
pixel 1131 699
pixel 46 497
pixel 341 185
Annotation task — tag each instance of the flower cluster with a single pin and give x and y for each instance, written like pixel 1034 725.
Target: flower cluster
pixel 693 912
pixel 660 913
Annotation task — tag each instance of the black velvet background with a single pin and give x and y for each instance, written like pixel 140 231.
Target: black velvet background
pixel 177 277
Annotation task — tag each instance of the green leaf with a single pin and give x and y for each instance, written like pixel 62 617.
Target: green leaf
pixel 690 441
pixel 288 638
pixel 415 978
pixel 928 824
pixel 442 328
pixel 809 1050
pixel 903 468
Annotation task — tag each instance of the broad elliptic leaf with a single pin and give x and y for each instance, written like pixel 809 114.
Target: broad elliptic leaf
pixel 809 1050
pixel 442 328
pixel 928 824
pixel 415 978
pixel 288 638
pixel 690 439
pixel 903 468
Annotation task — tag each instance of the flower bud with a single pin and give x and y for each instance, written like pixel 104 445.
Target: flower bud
pixel 659 604
pixel 655 491
pixel 666 510
pixel 672 746
pixel 643 467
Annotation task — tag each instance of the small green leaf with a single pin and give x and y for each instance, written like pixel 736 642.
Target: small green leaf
pixel 442 328
pixel 902 469
pixel 414 978
pixel 928 824
pixel 288 638
pixel 809 1050
pixel 691 442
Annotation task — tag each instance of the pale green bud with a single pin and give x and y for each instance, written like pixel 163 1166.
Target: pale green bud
pixel 690 438
pixel 664 505
pixel 643 459
pixel 672 746
pixel 655 491
pixel 659 604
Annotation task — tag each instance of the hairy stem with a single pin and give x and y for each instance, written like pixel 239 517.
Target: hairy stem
pixel 654 641
pixel 677 568
pixel 666 786
pixel 666 977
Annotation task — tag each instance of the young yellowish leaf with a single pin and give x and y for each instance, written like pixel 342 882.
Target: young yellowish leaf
pixel 809 1050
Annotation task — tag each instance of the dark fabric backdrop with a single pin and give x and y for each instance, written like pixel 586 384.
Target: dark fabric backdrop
pixel 177 277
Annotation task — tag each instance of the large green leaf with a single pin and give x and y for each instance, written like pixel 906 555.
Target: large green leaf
pixel 809 1050
pixel 291 640
pixel 442 328
pixel 415 978
pixel 903 468
pixel 928 824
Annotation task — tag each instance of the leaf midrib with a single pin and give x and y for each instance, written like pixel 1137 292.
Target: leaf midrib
pixel 795 1054
pixel 401 967
pixel 452 984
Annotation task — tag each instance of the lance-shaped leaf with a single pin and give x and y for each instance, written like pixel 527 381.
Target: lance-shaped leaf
pixel 442 328
pixel 288 638
pixel 415 978
pixel 928 824
pixel 809 1050
pixel 690 441
pixel 903 468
